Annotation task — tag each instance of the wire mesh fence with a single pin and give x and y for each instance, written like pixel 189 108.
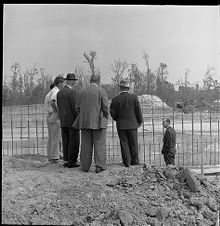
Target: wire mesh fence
pixel 198 134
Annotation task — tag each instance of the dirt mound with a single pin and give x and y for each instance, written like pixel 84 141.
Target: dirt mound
pixel 39 193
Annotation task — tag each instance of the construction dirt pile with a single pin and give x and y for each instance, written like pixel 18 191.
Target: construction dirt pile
pixel 35 192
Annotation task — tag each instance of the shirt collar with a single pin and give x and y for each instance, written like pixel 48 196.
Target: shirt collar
pixel 167 127
pixel 123 92
pixel 68 86
pixel 55 88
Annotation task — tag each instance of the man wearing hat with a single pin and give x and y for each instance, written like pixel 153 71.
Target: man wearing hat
pixel 125 110
pixel 70 137
pixel 92 107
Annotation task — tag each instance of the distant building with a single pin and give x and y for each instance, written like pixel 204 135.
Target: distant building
pixel 216 104
pixel 152 101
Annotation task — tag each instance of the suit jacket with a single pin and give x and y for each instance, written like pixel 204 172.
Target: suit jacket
pixel 66 99
pixel 125 110
pixel 92 108
pixel 169 141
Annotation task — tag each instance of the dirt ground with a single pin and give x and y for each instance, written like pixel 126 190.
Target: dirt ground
pixel 35 192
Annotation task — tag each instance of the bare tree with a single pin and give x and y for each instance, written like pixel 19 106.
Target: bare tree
pixel 83 78
pixel 146 59
pixel 186 81
pixel 136 77
pixel 163 71
pixel 42 78
pixel 15 69
pixel 90 60
pixel 149 79
pixel 118 69
pixel 161 78
pixel 29 77
pixel 209 82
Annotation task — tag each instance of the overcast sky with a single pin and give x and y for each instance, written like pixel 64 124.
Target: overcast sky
pixel 54 37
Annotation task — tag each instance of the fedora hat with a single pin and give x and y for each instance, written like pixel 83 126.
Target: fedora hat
pixel 124 83
pixel 71 76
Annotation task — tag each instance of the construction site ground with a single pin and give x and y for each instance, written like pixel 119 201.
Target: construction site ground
pixel 35 192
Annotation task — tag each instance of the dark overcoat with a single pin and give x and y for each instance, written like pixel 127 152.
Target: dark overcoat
pixel 125 110
pixel 66 99
pixel 169 141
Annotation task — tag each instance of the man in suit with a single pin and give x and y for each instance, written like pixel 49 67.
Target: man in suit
pixel 70 137
pixel 169 143
pixel 92 108
pixel 125 110
pixel 53 122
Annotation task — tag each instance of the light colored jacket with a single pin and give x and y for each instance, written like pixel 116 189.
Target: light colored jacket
pixel 52 95
pixel 92 108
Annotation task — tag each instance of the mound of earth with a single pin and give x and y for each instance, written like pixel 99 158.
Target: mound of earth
pixel 37 193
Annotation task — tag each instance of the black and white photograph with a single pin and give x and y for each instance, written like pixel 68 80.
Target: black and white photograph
pixel 111 115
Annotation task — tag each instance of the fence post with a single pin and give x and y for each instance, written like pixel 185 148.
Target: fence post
pixel 16 147
pixel 202 169
pixel 192 137
pixel 178 154
pixel 183 153
pixel 28 125
pixel 197 152
pixel 182 127
pixel 215 149
pixel 143 140
pixel 218 144
pixel 187 148
pixel 160 154
pixel 12 138
pixel 37 135
pixel 109 156
pixel 153 130
pixel 210 153
pixel 113 140
pixel 43 123
pixel 206 147
pixel 7 148
pixel 201 144
pixel 21 124
pixel 210 120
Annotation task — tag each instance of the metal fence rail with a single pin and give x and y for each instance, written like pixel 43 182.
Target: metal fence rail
pixel 198 134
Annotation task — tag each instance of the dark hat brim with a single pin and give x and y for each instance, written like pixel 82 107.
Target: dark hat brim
pixel 75 79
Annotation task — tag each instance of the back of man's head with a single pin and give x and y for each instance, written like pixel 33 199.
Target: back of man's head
pixel 59 79
pixel 167 120
pixel 122 88
pixel 95 79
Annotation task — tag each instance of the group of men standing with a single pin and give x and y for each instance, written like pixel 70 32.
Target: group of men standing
pixel 87 111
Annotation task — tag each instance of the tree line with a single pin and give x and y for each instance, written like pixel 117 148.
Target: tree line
pixel 31 85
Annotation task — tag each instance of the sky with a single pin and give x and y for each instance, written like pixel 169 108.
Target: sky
pixel 54 37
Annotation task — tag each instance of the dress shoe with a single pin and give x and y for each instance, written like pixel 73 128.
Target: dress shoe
pixel 54 161
pixel 99 170
pixel 133 163
pixel 72 165
pixel 65 164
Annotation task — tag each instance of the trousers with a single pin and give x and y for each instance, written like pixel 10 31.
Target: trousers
pixel 129 146
pixel 54 136
pixel 93 138
pixel 169 158
pixel 70 142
